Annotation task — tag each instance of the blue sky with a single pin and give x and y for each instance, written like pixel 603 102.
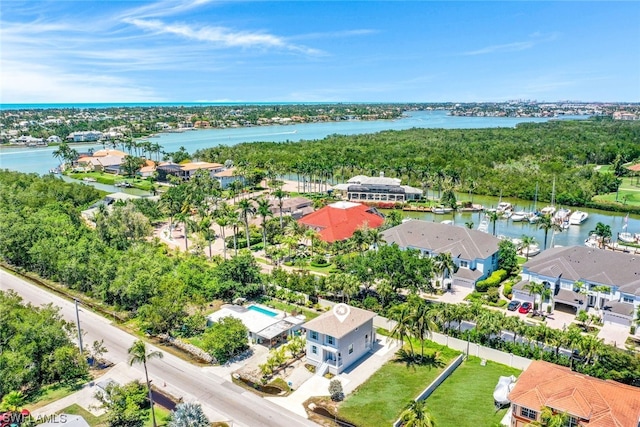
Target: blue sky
pixel 312 51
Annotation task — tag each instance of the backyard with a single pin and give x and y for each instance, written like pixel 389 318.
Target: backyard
pixel 381 399
pixel 470 386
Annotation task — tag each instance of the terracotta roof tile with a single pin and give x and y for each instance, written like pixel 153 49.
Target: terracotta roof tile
pixel 596 402
pixel 338 221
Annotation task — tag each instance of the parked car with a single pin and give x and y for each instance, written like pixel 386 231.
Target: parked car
pixel 525 308
pixel 513 305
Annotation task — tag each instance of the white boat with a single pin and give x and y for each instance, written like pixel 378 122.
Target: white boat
pixel 593 241
pixel 447 222
pixel 504 207
pixel 578 217
pixel 532 250
pixel 484 226
pixel 533 218
pixel 519 216
pixel 89 179
pixel 548 210
pixel 562 214
pixel 627 237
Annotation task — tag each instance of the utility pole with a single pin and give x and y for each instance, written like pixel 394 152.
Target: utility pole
pixel 78 326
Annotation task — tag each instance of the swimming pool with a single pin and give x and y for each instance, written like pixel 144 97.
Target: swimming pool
pixel 262 310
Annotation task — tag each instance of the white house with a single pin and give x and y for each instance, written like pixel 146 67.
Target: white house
pixel 378 189
pixel 335 344
pixel 582 277
pixel 474 253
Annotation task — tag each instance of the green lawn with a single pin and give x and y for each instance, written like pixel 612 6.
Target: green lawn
pixel 628 194
pixel 110 179
pixel 287 307
pixel 91 419
pixel 465 399
pixel 51 393
pixel 381 399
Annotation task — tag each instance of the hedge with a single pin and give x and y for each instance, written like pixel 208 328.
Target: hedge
pixel 492 281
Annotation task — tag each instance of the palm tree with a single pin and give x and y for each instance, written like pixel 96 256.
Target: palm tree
pixel 280 195
pixel 312 235
pixel 138 354
pixel 376 238
pixel 223 221
pixel 423 323
pixel 234 221
pixel 527 242
pixel 416 415
pixel 264 210
pixel 444 264
pixel 207 232
pixel 547 223
pixel 603 231
pixel 549 418
pixel 590 347
pixel 401 314
pixel 535 289
pixel 493 217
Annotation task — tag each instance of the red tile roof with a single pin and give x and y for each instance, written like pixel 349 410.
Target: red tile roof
pixel 634 168
pixel 598 403
pixel 339 220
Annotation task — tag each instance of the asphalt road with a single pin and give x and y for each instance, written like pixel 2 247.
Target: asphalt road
pixel 228 400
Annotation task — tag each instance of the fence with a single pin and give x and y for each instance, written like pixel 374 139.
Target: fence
pixel 435 383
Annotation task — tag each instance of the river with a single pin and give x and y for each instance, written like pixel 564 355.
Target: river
pixel 40 160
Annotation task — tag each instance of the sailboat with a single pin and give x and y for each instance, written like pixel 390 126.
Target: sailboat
pixel 534 216
pixel 551 209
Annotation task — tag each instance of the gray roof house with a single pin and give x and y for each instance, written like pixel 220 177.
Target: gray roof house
pixel 475 253
pixel 334 344
pixel 611 280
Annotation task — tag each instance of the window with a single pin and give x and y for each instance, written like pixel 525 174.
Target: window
pixel 571 422
pixel 464 264
pixel 314 349
pixel 350 348
pixel 331 340
pixel 627 298
pixel 314 335
pixel 528 413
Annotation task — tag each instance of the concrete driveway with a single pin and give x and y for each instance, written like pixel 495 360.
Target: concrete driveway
pixel 614 334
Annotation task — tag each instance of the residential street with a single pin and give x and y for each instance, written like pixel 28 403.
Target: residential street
pixel 221 399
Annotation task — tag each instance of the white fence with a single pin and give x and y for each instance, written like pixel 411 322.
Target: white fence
pixel 435 383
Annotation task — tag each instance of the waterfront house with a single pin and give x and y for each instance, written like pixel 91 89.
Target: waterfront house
pixel 363 188
pixel 85 136
pixel 338 221
pixel 297 207
pixel 188 170
pixel 587 401
pixel 335 344
pixel 227 176
pixel 580 277
pixel 474 253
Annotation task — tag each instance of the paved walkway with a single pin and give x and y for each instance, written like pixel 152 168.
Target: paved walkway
pixel 350 379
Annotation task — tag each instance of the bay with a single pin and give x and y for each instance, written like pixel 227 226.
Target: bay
pixel 40 160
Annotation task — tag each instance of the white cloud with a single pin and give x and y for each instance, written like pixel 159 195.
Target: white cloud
pixel 221 36
pixel 33 83
pixel 508 47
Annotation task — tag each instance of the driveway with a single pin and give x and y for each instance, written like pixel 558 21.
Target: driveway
pixel 383 351
pixel 454 295
pixel 613 334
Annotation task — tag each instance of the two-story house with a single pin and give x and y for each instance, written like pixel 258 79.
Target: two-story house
pixel 474 253
pixel 334 343
pixel 363 188
pixel 587 401
pixel 582 277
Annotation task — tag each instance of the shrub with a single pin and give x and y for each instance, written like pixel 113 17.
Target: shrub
pixel 493 295
pixel 507 291
pixel 319 261
pixel 492 281
pixel 335 391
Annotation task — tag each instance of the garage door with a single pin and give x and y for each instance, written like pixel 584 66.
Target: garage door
pixel 523 296
pixel 618 319
pixel 463 283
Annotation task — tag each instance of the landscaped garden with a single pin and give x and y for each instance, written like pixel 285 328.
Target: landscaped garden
pixel 471 385
pixel 381 399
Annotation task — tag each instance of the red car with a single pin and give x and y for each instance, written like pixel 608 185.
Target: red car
pixel 525 308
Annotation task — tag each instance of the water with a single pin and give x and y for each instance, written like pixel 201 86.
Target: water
pixel 574 235
pixel 40 160
pixel 262 310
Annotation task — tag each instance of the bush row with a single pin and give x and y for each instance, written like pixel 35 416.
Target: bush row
pixel 492 281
